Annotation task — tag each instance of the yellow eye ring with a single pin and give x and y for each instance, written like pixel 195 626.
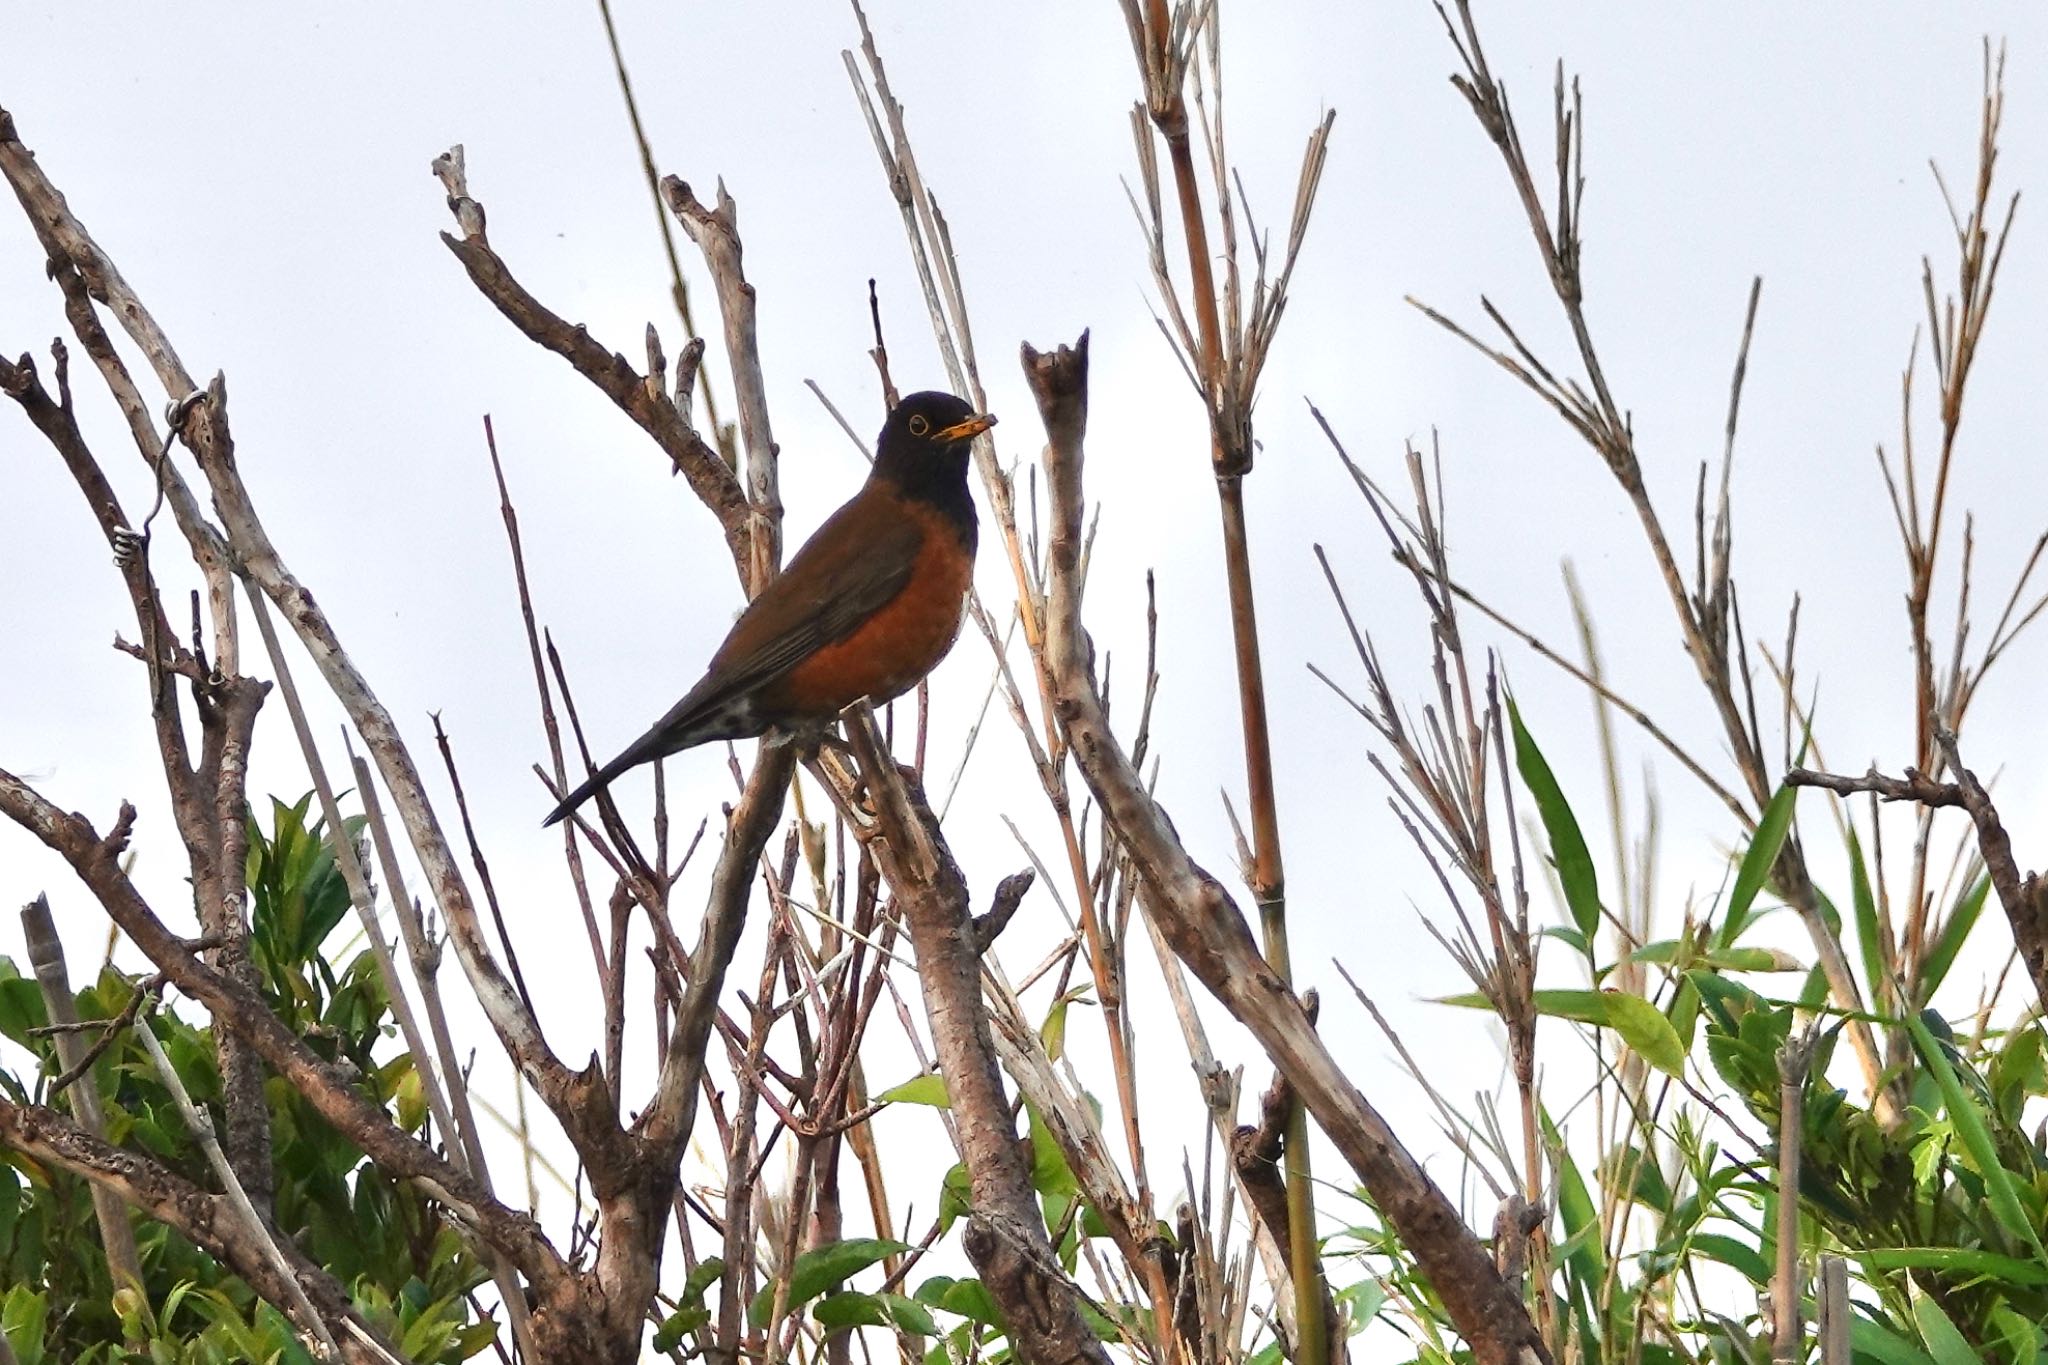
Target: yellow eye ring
pixel 918 426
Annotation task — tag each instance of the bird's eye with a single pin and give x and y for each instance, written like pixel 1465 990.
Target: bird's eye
pixel 918 426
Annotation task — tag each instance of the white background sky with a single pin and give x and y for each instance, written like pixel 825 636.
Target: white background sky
pixel 261 175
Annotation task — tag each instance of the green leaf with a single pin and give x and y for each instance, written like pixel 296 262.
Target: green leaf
pixel 1362 1303
pixel 1587 1007
pixel 21 1009
pixel 849 1308
pixel 969 1299
pixel 1968 1117
pixel 1050 1173
pixel 909 1315
pixel 1736 1255
pixel 823 1268
pixel 956 1196
pixel 1643 1027
pixel 1955 931
pixel 706 1274
pixel 1756 865
pixel 1958 1261
pixel 1053 1032
pixel 1880 1343
pixel 1580 1216
pixel 678 1325
pixel 1668 952
pixel 1568 851
pixel 1949 1345
pixel 22 1316
pixel 1869 939
pixel 1563 933
pixel 929 1088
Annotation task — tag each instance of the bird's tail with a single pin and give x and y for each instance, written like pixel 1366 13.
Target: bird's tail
pixel 602 778
pixel 594 784
pixel 690 721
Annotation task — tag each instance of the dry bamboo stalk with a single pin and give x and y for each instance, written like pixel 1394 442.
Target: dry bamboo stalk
pixel 46 953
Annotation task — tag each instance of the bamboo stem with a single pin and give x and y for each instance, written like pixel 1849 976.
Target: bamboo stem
pixel 46 953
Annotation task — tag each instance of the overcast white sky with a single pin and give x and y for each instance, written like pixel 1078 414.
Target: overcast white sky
pixel 261 175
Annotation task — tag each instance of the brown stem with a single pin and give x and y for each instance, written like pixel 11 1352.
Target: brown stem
pixel 1208 931
pixel 1006 1238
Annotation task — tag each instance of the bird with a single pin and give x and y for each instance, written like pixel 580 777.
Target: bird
pixel 866 608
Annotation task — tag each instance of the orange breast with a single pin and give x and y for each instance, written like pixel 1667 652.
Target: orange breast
pixel 899 644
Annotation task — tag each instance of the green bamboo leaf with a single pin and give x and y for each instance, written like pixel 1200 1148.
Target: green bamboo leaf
pixel 1567 845
pixel 1869 942
pixel 1736 1255
pixel 1757 861
pixel 1962 1261
pixel 1667 952
pixel 1578 1213
pixel 1587 1007
pixel 1938 1330
pixel 1053 1032
pixel 1968 1117
pixel 1880 1343
pixel 1954 933
pixel 1643 1027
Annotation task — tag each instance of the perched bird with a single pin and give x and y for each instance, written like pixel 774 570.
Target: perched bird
pixel 867 607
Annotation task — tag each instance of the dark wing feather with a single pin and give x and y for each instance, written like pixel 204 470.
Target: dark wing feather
pixel 850 568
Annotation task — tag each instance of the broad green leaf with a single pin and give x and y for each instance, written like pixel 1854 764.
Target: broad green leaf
pixel 21 1009
pixel 1563 933
pixel 1755 868
pixel 2022 1338
pixel 1968 1117
pixel 929 1088
pixel 1643 1027
pixel 1362 1301
pixel 1880 1343
pixel 1568 851
pixel 969 1299
pixel 1050 1173
pixel 22 1316
pixel 1939 1332
pixel 909 1315
pixel 849 1308
pixel 1736 1255
pixel 823 1268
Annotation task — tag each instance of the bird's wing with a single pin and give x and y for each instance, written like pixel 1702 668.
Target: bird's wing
pixel 851 567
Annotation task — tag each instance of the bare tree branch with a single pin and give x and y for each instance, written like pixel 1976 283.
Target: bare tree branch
pixel 1208 931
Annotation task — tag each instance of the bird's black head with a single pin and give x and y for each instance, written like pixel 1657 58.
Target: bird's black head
pixel 924 445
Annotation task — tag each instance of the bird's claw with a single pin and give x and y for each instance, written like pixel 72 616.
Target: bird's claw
pixel 128 545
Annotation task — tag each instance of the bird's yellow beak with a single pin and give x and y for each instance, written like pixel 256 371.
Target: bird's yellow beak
pixel 973 426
